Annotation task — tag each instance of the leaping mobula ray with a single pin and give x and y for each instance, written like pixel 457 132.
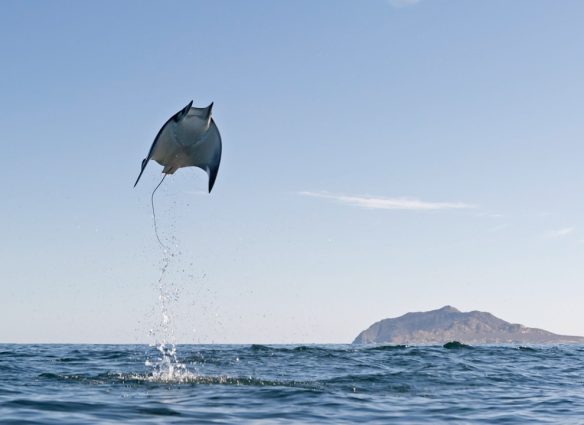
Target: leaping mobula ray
pixel 189 138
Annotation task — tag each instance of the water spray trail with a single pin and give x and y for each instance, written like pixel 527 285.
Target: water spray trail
pixel 167 368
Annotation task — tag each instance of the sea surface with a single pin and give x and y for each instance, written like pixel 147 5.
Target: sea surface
pixel 334 384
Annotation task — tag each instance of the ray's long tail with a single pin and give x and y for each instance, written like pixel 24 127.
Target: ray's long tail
pixel 154 213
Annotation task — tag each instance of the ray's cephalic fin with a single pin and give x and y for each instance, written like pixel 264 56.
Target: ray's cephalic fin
pixel 208 112
pixel 183 112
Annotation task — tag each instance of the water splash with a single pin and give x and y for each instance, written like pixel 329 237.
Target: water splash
pixel 166 367
pixel 183 295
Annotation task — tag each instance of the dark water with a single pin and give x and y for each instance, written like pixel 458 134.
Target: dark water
pixel 292 384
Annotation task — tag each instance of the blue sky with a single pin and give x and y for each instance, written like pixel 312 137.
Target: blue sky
pixel 379 157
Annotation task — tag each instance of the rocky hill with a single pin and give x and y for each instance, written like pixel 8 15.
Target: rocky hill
pixel 449 324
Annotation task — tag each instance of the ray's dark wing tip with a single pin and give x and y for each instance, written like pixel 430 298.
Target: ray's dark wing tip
pixel 144 162
pixel 213 165
pixel 212 176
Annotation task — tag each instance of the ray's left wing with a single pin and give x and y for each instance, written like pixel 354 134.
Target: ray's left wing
pixel 176 117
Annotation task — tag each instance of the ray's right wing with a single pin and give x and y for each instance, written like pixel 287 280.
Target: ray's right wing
pixel 206 154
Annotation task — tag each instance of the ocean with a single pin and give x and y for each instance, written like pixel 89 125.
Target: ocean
pixel 330 384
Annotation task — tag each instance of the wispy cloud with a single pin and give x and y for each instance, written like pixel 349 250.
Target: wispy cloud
pixel 560 233
pixel 489 215
pixel 403 3
pixel 371 202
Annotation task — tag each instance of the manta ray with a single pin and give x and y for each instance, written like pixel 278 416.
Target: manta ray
pixel 189 138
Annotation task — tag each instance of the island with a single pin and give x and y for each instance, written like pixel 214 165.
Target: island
pixel 450 324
